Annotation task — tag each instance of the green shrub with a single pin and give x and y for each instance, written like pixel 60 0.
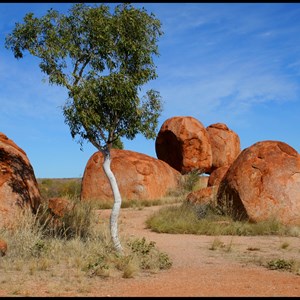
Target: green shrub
pixel 280 264
pixel 141 255
pixel 149 256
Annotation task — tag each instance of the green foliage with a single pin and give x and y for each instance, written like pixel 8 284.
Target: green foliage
pixel 148 255
pixel 118 144
pixel 141 247
pixel 280 264
pixel 103 59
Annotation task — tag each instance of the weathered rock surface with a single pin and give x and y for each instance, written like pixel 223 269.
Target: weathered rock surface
pixel 184 144
pixel 225 145
pixel 139 177
pixel 18 185
pixel 217 175
pixel 263 183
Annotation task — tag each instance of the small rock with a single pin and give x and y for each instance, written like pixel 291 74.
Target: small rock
pixel 3 247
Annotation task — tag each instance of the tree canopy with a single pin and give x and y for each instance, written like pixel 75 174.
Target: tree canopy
pixel 103 59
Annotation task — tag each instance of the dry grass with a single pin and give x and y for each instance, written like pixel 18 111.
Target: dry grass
pixel 59 187
pixel 74 252
pixel 203 219
pixel 80 251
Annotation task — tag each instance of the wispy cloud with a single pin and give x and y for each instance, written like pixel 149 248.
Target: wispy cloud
pixel 228 58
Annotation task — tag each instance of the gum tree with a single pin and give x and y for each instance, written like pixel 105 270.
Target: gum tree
pixel 103 59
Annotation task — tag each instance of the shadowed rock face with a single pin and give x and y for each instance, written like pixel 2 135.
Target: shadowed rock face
pixel 225 145
pixel 183 143
pixel 139 177
pixel 263 183
pixel 18 185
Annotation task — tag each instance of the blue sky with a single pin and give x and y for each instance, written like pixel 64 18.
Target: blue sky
pixel 234 63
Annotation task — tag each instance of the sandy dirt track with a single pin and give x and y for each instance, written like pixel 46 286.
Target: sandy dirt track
pixel 198 270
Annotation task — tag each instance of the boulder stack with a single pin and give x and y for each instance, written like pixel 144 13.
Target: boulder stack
pixel 184 144
pixel 225 145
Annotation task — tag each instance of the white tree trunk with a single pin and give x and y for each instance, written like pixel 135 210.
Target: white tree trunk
pixel 117 202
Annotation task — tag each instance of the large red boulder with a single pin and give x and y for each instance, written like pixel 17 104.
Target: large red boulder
pixel 139 177
pixel 225 145
pixel 18 185
pixel 184 144
pixel 263 183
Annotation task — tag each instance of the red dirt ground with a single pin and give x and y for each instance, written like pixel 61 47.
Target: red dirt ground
pixel 199 271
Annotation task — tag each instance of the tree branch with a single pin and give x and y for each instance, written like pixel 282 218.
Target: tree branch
pixel 77 63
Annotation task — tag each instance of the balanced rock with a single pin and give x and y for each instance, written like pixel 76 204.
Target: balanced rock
pixel 139 177
pixel 263 183
pixel 18 185
pixel 225 145
pixel 184 144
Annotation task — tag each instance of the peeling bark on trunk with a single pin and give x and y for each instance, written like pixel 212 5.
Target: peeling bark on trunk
pixel 117 202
